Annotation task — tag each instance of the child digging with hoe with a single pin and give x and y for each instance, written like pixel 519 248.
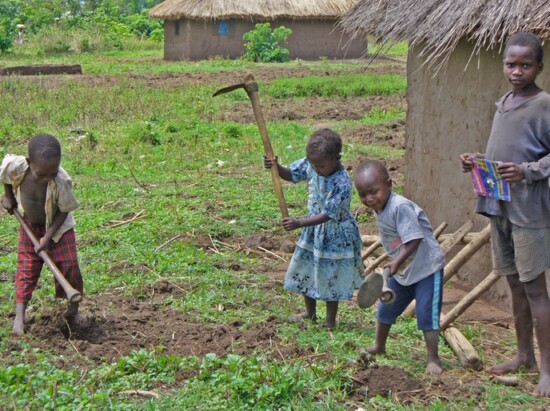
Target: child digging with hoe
pixel 45 192
pixel 326 264
pixel 520 229
pixel 404 232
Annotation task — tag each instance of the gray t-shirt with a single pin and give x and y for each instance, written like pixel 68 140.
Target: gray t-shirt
pixel 402 221
pixel 522 135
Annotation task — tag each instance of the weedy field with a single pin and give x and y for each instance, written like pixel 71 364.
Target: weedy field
pixel 183 253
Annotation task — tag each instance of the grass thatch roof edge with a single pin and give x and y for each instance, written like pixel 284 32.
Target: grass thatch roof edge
pixel 436 26
pixel 261 10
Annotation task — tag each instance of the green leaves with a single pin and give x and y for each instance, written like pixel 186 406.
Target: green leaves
pixel 265 45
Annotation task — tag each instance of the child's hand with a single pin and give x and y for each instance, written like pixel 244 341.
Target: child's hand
pixel 270 162
pixel 9 204
pixel 291 223
pixel 392 265
pixel 42 245
pixel 511 172
pixel 466 159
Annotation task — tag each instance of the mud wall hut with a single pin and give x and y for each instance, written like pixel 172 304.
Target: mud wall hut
pixel 454 73
pixel 199 29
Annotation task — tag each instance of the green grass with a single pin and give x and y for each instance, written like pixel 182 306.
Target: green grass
pixel 341 86
pixel 161 150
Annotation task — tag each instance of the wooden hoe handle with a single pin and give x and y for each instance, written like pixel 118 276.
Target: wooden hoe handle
pixel 72 295
pixel 251 88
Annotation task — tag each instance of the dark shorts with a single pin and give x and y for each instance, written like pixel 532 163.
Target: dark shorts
pixel 519 250
pixel 428 294
pixel 29 266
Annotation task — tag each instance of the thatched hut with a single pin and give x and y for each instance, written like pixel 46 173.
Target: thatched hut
pixel 198 29
pixel 454 77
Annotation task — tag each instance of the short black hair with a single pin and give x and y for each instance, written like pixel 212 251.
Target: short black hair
pixel 44 146
pixel 324 143
pixel 374 165
pixel 526 39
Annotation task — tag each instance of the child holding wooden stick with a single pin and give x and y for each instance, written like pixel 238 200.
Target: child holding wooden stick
pixel 406 235
pixel 520 228
pixel 44 190
pixel 326 264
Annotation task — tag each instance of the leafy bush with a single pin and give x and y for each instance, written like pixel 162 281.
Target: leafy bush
pixel 7 35
pixel 265 45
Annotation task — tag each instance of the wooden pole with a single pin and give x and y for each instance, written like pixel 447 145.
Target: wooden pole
pixel 466 353
pixel 369 239
pixel 468 300
pixel 455 238
pixel 372 248
pixel 466 253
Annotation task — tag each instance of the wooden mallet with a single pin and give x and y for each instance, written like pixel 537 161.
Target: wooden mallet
pixel 251 87
pixel 72 295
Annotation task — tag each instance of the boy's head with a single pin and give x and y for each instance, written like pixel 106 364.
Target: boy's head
pixel 323 151
pixel 523 60
pixel 373 184
pixel 44 157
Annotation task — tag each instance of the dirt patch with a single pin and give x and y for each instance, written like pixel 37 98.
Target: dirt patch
pixel 312 109
pixel 117 325
pixel 223 78
pixel 383 381
pixel 41 69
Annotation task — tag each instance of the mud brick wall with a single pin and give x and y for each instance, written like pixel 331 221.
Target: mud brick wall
pixel 196 40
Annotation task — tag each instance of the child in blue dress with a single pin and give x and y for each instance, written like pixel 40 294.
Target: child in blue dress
pixel 326 264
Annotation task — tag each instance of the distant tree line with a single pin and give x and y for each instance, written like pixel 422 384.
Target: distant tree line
pixel 96 23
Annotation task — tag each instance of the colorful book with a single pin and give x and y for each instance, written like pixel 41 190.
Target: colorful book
pixel 488 181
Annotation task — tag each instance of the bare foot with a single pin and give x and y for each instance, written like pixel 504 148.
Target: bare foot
pixel 434 368
pixel 18 327
pixel 543 387
pixel 512 366
pixel 366 353
pixel 330 325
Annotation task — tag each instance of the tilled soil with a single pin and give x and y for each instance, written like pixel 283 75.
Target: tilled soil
pixel 116 325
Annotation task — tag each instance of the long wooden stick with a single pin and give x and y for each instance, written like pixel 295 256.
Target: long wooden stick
pixel 369 239
pixel 251 88
pixel 466 253
pixel 468 300
pixel 72 295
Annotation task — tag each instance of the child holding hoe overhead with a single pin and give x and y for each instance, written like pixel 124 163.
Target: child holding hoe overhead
pixel 326 264
pixel 44 190
pixel 405 231
pixel 520 228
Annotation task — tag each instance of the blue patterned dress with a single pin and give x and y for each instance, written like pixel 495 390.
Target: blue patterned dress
pixel 326 264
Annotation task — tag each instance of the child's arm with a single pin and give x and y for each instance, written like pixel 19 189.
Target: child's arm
pixel 9 202
pixel 530 172
pixel 57 222
pixel 406 250
pixel 466 159
pixel 294 223
pixel 284 172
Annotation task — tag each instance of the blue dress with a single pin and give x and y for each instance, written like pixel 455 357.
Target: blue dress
pixel 326 264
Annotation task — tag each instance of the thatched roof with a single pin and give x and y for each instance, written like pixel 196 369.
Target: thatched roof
pixel 251 9
pixel 438 25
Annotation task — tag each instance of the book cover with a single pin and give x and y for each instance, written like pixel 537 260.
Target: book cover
pixel 487 180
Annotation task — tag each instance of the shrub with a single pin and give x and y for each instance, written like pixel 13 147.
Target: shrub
pixel 265 45
pixel 7 36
